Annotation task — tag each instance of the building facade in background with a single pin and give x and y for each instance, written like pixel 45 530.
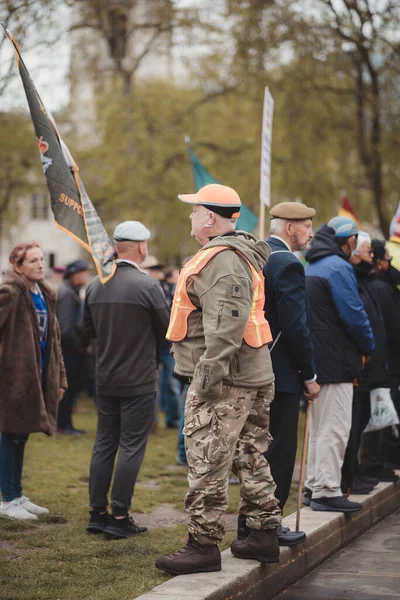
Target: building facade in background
pixel 36 223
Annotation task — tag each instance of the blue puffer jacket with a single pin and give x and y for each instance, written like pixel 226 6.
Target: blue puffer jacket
pixel 339 327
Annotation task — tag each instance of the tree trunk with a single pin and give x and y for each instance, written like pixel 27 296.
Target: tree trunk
pixel 376 158
pixel 369 136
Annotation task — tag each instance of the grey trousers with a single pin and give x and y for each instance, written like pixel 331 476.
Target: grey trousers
pixel 330 424
pixel 124 423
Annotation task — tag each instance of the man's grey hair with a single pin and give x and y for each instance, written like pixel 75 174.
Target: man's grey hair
pixel 277 225
pixel 226 222
pixel 363 237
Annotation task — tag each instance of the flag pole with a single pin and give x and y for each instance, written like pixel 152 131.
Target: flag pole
pixel 262 220
pixel 265 167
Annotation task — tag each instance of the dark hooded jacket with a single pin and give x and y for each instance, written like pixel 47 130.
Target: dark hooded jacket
pixel 339 326
pixel 375 373
pixel 26 404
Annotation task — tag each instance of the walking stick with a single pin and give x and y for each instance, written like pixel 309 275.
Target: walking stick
pixel 303 465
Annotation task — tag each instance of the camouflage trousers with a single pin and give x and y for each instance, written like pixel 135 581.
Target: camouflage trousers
pixel 231 433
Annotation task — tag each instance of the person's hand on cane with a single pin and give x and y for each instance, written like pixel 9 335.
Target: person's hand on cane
pixel 311 391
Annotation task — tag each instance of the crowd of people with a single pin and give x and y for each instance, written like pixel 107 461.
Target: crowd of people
pixel 228 347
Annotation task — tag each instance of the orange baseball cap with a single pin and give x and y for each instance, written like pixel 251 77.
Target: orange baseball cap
pixel 218 198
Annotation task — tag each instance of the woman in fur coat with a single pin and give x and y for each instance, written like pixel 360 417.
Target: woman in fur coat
pixel 32 375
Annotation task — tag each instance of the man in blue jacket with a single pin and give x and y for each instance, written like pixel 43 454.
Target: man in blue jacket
pixel 291 353
pixel 342 339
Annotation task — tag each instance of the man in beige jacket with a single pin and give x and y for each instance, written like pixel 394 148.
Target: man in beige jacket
pixel 220 338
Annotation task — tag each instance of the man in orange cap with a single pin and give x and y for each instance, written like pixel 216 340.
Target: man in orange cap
pixel 220 336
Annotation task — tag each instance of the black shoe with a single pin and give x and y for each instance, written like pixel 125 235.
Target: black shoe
pixel 307 496
pixel 192 558
pixel 335 504
pixel 359 487
pixel 290 538
pixel 119 529
pixel 368 480
pixel 383 474
pixel 98 522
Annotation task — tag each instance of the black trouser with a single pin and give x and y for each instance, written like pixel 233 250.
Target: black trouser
pixel 124 423
pixel 281 454
pixel 73 366
pixel 361 412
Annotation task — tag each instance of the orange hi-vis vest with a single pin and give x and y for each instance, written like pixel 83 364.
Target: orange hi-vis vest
pixel 257 332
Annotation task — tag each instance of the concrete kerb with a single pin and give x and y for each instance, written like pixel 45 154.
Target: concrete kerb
pixel 247 579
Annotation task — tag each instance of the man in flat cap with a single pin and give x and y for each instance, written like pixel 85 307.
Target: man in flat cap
pixel 220 339
pixel 127 317
pixel 73 342
pixel 291 352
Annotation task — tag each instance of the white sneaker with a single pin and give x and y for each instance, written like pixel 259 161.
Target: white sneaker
pixel 13 510
pixel 31 508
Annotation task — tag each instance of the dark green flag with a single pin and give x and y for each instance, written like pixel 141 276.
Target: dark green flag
pixel 247 220
pixel 72 208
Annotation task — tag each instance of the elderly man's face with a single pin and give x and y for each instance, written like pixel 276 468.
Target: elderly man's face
pixel 365 253
pixel 301 234
pixel 200 219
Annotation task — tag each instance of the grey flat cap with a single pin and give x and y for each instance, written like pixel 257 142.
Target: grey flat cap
pixel 131 231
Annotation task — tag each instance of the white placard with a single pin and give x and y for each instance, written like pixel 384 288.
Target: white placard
pixel 266 141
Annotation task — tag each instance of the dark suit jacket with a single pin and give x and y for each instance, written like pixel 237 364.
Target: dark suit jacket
pixel 285 310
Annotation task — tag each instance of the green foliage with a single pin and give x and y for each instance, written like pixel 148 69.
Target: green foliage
pixel 141 163
pixel 20 171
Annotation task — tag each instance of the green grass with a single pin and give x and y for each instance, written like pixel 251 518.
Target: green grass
pixel 55 559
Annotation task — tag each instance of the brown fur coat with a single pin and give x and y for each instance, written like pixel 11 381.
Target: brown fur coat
pixel 24 406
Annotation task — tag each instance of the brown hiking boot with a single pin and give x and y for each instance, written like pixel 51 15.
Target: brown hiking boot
pixel 192 558
pixel 260 544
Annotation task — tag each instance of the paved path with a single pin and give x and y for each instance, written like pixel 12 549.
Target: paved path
pixel 367 569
